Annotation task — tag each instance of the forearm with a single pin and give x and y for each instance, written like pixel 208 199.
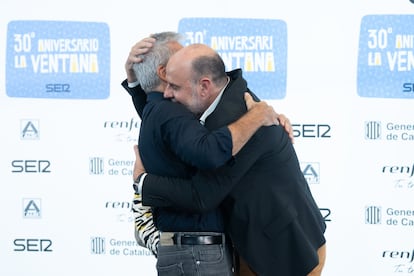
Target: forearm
pixel 157 191
pixel 206 189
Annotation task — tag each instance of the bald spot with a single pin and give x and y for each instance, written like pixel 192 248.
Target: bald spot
pixel 183 58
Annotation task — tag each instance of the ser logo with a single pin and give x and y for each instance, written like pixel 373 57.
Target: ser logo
pixel 33 245
pixel 58 88
pixel 312 130
pixel 30 166
pixel 408 87
pixel 326 214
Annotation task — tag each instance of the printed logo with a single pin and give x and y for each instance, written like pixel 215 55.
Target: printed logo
pixel 31 166
pixel 386 57
pixel 124 131
pixel 373 215
pixel 115 247
pixel 326 214
pixel 96 165
pixel 372 130
pixel 391 131
pixel 57 59
pixel 401 176
pixel 122 210
pixel 391 216
pixel 402 260
pixel 29 129
pixel 257 46
pixel 311 172
pixel 97 245
pixel 33 245
pixel 311 130
pixel 32 208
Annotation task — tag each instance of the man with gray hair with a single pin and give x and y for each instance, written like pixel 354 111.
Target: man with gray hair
pixel 172 142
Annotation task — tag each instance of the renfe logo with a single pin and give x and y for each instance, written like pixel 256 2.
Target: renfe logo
pixel 386 57
pixel 57 59
pixel 257 46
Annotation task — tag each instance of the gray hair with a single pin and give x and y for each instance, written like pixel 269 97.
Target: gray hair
pixel 159 54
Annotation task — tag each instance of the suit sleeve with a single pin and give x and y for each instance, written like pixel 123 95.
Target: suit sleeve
pixel 139 98
pixel 206 189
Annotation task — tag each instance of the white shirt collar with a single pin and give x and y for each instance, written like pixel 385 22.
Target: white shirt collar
pixel 213 105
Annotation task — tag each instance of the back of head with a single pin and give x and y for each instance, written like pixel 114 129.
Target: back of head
pixel 158 55
pixel 207 63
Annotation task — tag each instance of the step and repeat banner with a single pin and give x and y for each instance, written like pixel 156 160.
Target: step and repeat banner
pixel 342 71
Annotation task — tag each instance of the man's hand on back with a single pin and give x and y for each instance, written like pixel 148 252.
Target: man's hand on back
pixel 267 114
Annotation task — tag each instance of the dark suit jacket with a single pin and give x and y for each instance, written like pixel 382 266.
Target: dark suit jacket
pixel 170 141
pixel 269 211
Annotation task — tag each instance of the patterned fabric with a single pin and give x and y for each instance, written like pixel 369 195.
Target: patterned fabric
pixel 145 232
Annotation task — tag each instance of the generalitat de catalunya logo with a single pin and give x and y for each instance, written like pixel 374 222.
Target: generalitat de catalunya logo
pixel 57 59
pixel 257 46
pixel 386 57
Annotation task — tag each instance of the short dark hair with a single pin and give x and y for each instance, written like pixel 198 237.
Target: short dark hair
pixel 209 65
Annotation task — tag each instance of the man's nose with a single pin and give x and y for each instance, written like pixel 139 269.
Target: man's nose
pixel 167 92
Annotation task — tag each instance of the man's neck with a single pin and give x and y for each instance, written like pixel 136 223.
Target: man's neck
pixel 159 89
pixel 214 103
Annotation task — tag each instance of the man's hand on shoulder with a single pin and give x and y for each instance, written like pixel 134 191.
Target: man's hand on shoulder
pixel 284 121
pixel 265 112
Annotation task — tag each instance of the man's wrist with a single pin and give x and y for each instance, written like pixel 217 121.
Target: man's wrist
pixel 138 183
pixel 133 84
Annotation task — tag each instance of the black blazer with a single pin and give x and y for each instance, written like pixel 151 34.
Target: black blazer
pixel 270 213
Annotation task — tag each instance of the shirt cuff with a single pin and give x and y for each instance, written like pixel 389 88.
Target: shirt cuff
pixel 133 84
pixel 139 182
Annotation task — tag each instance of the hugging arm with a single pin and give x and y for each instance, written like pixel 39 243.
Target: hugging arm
pixel 139 98
pixel 206 189
pixel 138 95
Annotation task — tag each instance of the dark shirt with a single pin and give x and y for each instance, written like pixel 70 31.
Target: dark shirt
pixel 173 143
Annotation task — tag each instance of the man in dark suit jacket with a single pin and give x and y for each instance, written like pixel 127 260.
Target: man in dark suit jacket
pixel 171 142
pixel 270 214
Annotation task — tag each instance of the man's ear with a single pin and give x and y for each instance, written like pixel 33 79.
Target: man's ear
pixel 161 72
pixel 205 86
